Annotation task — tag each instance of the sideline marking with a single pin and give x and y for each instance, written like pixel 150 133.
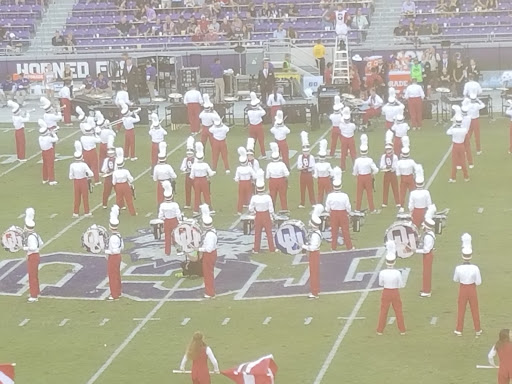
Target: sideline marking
pixel 226 321
pixel 149 214
pixel 480 210
pixel 308 320
pixel 485 367
pixel 53 215
pixel 103 322
pixel 366 292
pixel 63 322
pixel 23 323
pixel 267 320
pixel 185 321
pixel 21 216
pixel 433 321
pixel 355 318
pixel 142 319
pixel 391 320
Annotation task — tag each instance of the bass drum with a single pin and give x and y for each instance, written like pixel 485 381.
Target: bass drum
pixel 12 239
pixel 95 239
pixel 403 234
pixel 188 235
pixel 290 237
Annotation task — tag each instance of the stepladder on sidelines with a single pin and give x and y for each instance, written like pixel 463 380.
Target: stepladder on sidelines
pixel 341 64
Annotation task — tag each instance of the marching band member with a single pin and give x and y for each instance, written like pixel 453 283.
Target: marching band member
pixel 129 121
pixel 32 245
pixel 280 131
pixel 471 86
pixel 157 133
pixel 400 129
pixel 342 17
pixel 374 103
pixel 81 118
pixel 391 110
pixel 322 171
pixel 428 240
pixel 80 173
pixel 122 98
pixel 200 172
pixel 306 165
pixel 391 279
pixel 414 95
pixel 107 169
pixel 348 144
pixel 275 102
pixel 508 112
pixel 50 117
pixel 193 100
pixel 169 211
pixel 47 140
pixel 388 165
pixel 313 249
pixel 405 169
pixel 475 105
pixel 364 170
pixel 122 180
pixel 199 353
pixel 113 252
pixel 244 176
pixel 277 174
pixel 206 116
pixel 105 133
pixel 89 142
pixel 253 162
pixel 419 199
pixel 338 206
pixel 208 249
pixel 468 276
pixel 218 132
pixel 255 117
pixel 18 122
pixel 466 124
pixel 458 134
pixel 186 166
pixel 162 172
pixel 262 207
pixel 336 119
pixel 503 348
pixel 65 103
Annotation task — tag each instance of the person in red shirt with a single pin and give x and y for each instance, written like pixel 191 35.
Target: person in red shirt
pixel 503 348
pixel 199 353
pixel 373 80
pixel 355 82
pixel 328 74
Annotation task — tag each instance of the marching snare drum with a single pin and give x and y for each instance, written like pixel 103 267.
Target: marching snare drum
pixel 247 222
pixel 95 239
pixel 188 235
pixel 357 219
pixel 290 237
pixel 158 228
pixel 404 234
pixel 12 239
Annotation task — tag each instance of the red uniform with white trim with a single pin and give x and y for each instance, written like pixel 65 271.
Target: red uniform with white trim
pixel 244 176
pixel 200 172
pixel 364 169
pixel 504 352
pixel 113 252
pixel 277 175
pixel 105 133
pixel 65 103
pixel 90 153
pixel 405 169
pixel 170 213
pixel 391 280
pixel 157 136
pixel 219 146
pixel 336 119
pixel 18 123
pixel 263 207
pixel 468 276
pixel 193 100
pixel 255 117
pixel 33 244
pixel 322 171
pixel 186 167
pixel 306 166
pixel 200 371
pixel 207 117
pixel 80 172
pixel 375 103
pixel 51 119
pixel 458 134
pixel 400 130
pixel 348 144
pixel 313 249
pixel 209 258
pixel 275 101
pixel 474 107
pixel 419 201
pixel 429 239
pixel 414 95
pixel 107 169
pixel 338 206
pixel 129 135
pixel 122 181
pixel 280 132
pixel 390 111
pixel 47 145
pixel 388 165
pixel 162 172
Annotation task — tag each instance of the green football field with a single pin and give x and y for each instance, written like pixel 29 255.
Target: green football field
pixel 332 340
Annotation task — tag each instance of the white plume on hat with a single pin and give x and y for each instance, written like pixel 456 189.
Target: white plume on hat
pixel 472 95
pixel 406 145
pixel 399 117
pixel 242 155
pixel 390 252
pixel 190 144
pixel 250 145
pixel 254 99
pixel 304 138
pixel 467 248
pixel 80 112
pixel 119 156
pixel 274 149
pixel 167 187
pixel 97 114
pixel 100 119
pixel 337 177
pixel 337 107
pixel 279 117
pixel 15 107
pixel 206 101
pixel 162 150
pixel 110 142
pixel 260 180
pixel 199 150
pixel 391 92
pixel 391 99
pixel 322 152
pixel 429 215
pixel 43 128
pixel 124 108
pixel 114 216
pixel 30 214
pixel 205 214
pixel 318 209
pixel 155 121
pixel 364 143
pixel 87 127
pixel 90 121
pixel 464 108
pixel 78 150
pixel 419 173
pixel 509 101
pixel 337 100
pixel 217 121
pixel 45 103
pixel 389 137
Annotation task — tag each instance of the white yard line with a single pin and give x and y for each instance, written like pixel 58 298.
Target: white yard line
pixel 341 336
pixel 63 322
pixel 226 321
pixel 185 321
pixel 308 320
pixel 480 210
pixel 267 320
pixel 355 318
pixel 433 321
pixel 103 322
pixel 24 322
pixel 391 320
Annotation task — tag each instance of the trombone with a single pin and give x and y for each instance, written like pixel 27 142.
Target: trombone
pixel 115 122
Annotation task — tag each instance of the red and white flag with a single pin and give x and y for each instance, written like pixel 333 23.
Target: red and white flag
pixel 7 373
pixel 261 371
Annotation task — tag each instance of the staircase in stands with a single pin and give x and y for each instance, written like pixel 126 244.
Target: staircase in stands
pixel 385 19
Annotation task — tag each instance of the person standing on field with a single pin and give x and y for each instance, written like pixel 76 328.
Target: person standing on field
pixel 199 353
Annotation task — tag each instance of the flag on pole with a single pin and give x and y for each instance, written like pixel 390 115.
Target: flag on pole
pixel 7 373
pixel 261 371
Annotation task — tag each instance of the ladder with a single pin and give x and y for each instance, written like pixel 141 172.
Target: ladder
pixel 341 65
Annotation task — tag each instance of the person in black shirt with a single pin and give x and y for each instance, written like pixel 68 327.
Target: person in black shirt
pixel 124 26
pixel 58 39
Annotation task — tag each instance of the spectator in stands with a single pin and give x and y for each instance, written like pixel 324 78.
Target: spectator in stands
pixel 409 8
pixel 238 26
pixel 191 27
pixel 132 79
pixel 140 11
pixel 123 26
pixel 292 35
pixel 197 35
pixel 251 8
pixel 211 36
pixel 215 26
pixel 373 80
pixel 181 26
pixel 49 78
pixel 120 4
pixel 168 27
pixel 491 4
pixel 472 68
pixel 453 5
pixel 412 32
pixel 57 39
pixel 22 88
pixel 227 29
pixel 445 79
pixel 67 76
pixel 275 13
pixel 319 54
pixel 203 24
pixel 88 85
pixel 157 28
pixel 328 18
pixel 265 10
pixel 441 6
pixel 280 33
pixel 144 29
pixel 292 11
pixel 70 43
pixel 459 76
pixel 328 74
pixel 6 90
pixel 435 30
pixel 360 22
pixel 444 63
pixel 150 12
pixel 3 32
pixel 103 85
pixel 266 80
pixel 248 26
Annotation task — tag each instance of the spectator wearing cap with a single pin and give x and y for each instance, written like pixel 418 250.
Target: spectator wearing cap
pixel 6 90
pixel 150 79
pixel 217 72
pixel 144 28
pixel 103 86
pixel 22 88
pixel 124 26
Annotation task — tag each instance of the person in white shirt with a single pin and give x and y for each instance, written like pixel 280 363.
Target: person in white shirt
pixel 129 121
pixel 113 252
pixel 262 207
pixel 33 244
pixel 200 173
pixel 338 206
pixel 169 211
pixel 207 115
pixel 474 105
pixel 208 250
pixel 391 110
pixel 65 103
pixel 218 132
pixel 312 247
pixel 277 175
pixel 193 100
pixel 391 279
pixel 275 102
pixel 400 129
pixel 244 176
pixel 18 121
pixel 306 165
pixel 280 132
pixel 157 133
pixel 47 140
pixel 122 180
pixel 405 169
pixel 374 110
pixel 414 95
pixel 348 144
pixel 107 169
pixel 80 173
pixel 322 171
pixel 50 117
pixel 466 124
pixel 105 133
pixel 364 170
pixel 90 154
pixel 253 162
pixel 336 119
pixel 163 172
pixel 196 352
pixel 508 112
pixel 468 276
pixel 472 86
pixel 419 199
pixel 341 24
pixel 185 168
pixel 255 116
pixel 49 78
pixel 388 165
pixel 458 134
